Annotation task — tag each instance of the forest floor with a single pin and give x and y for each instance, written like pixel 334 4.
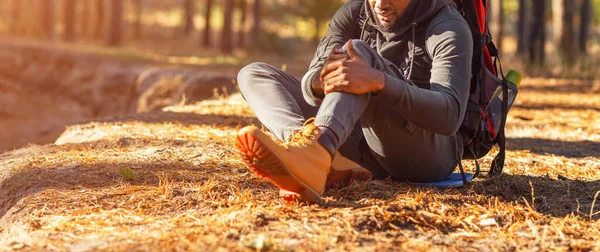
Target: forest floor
pixel 191 192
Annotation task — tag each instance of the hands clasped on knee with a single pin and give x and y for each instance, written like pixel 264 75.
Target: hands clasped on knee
pixel 348 72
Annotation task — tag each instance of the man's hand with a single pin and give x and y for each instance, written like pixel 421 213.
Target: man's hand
pixel 352 75
pixel 337 54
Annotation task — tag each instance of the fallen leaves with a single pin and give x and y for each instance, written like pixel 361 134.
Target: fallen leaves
pixel 186 190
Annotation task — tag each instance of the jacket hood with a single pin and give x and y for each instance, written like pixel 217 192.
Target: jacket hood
pixel 392 44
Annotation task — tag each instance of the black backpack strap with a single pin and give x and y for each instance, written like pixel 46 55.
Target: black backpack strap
pixel 462 173
pixel 494 52
pixel 477 167
pixel 498 162
pixel 460 166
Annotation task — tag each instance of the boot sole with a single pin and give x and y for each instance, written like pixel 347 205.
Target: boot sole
pixel 266 164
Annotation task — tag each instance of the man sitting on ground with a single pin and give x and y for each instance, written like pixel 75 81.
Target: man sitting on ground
pixel 391 99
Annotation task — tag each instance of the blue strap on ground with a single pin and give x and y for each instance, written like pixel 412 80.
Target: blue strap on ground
pixel 452 181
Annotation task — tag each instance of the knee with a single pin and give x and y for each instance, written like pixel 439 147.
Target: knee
pixel 250 72
pixel 360 46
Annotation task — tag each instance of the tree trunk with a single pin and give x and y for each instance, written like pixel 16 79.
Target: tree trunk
pixel 242 26
pixel 521 21
pixel 497 22
pixel 85 18
pixel 562 15
pixel 226 35
pixel 100 19
pixel 584 29
pixel 256 28
pixel 537 38
pixel 207 29
pixel 15 9
pixel 47 18
pixel 69 21
pixel 115 26
pixel 557 20
pixel 188 7
pixel 137 27
pixel 30 18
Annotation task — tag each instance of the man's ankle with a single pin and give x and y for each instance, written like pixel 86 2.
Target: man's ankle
pixel 329 140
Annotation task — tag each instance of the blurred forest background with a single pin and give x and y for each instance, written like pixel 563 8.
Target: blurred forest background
pixel 81 60
pixel 568 29
pixel 117 117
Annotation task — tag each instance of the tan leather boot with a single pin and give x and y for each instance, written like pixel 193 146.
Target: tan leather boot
pixel 342 171
pixel 300 166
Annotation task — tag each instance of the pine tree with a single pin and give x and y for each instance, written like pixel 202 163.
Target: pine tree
pixel 115 23
pixel 69 20
pixel 226 33
pixel 497 22
pixel 15 9
pixel 100 19
pixel 562 17
pixel 207 24
pixel 537 36
pixel 242 23
pixel 85 18
pixel 521 31
pixel 137 26
pixel 584 29
pixel 47 18
pixel 256 16
pixel 189 11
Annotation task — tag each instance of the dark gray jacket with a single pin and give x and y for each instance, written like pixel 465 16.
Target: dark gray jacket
pixel 435 98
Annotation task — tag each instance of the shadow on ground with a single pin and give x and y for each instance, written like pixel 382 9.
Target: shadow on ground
pixel 554 106
pixel 556 147
pixel 557 198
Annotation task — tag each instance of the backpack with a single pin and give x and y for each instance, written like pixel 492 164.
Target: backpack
pixel 479 134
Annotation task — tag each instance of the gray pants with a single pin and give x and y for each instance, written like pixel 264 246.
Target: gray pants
pixel 372 134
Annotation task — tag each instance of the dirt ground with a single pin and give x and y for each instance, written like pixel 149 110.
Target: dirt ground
pixel 192 193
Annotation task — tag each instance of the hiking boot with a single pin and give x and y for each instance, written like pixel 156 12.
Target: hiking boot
pixel 342 171
pixel 300 166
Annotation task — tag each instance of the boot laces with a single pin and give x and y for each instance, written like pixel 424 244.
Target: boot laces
pixel 303 137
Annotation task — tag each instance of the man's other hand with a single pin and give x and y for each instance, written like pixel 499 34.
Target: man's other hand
pixel 351 75
pixel 337 54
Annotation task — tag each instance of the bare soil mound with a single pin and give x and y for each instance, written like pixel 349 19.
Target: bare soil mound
pixel 43 90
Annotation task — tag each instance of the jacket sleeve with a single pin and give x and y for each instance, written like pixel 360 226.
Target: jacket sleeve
pixel 440 109
pixel 342 27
